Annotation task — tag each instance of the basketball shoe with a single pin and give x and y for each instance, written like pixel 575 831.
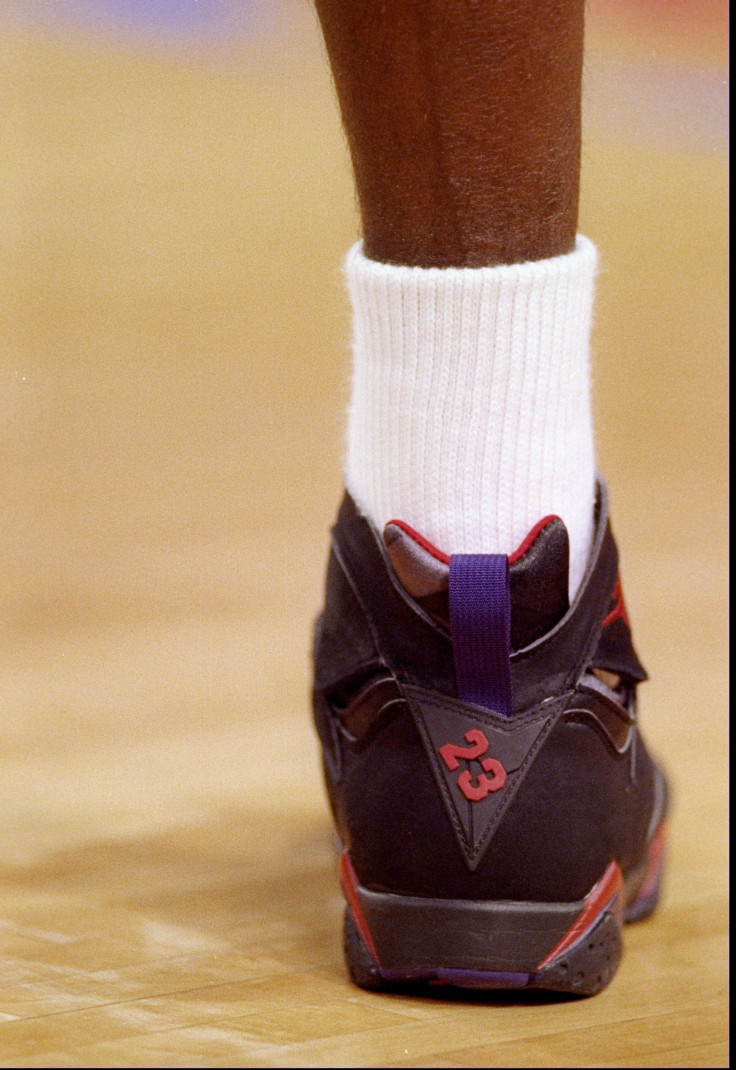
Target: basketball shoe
pixel 499 814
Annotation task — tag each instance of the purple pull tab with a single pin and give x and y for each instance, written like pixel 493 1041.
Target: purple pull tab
pixel 480 622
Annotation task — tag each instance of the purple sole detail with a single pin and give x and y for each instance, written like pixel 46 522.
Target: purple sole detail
pixel 643 906
pixel 648 895
pixel 459 978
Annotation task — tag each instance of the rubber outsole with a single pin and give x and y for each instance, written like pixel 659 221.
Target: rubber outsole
pixel 392 941
pixel 584 970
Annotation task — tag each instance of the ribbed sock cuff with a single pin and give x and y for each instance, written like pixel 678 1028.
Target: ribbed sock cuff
pixel 470 415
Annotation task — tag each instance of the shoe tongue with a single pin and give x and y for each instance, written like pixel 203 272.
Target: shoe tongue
pixel 538 575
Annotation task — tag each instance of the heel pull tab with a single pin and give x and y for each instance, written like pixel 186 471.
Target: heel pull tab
pixel 480 624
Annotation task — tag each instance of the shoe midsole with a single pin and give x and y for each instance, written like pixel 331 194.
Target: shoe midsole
pixel 407 933
pixel 461 934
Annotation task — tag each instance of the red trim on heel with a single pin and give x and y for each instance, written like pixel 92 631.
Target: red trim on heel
pixel 597 899
pixel 349 879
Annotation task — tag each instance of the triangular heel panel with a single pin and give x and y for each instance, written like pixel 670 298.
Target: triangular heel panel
pixel 478 759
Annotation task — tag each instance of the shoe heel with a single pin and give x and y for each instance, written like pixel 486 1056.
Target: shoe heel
pixel 392 940
pixel 583 970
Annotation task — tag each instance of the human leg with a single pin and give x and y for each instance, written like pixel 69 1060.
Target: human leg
pixel 475 677
pixel 463 122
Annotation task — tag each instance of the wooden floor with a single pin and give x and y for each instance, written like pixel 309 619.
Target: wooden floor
pixel 174 373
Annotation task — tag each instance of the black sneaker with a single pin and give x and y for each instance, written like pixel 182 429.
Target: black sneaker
pixel 499 814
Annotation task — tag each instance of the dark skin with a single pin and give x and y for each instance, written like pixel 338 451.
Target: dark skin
pixel 463 122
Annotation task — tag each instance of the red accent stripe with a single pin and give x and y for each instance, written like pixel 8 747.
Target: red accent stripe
pixel 619 610
pixel 529 540
pixel 599 896
pixel 349 880
pixel 444 558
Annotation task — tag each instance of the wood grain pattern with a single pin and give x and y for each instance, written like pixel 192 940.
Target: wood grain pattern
pixel 174 338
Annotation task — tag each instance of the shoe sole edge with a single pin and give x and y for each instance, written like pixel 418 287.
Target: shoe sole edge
pixel 393 940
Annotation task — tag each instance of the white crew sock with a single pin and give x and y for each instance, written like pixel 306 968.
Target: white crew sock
pixel 470 416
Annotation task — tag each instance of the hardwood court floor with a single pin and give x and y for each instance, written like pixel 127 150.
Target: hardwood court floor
pixel 174 372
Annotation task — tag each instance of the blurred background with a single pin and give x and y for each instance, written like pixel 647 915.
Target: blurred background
pixel 175 203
